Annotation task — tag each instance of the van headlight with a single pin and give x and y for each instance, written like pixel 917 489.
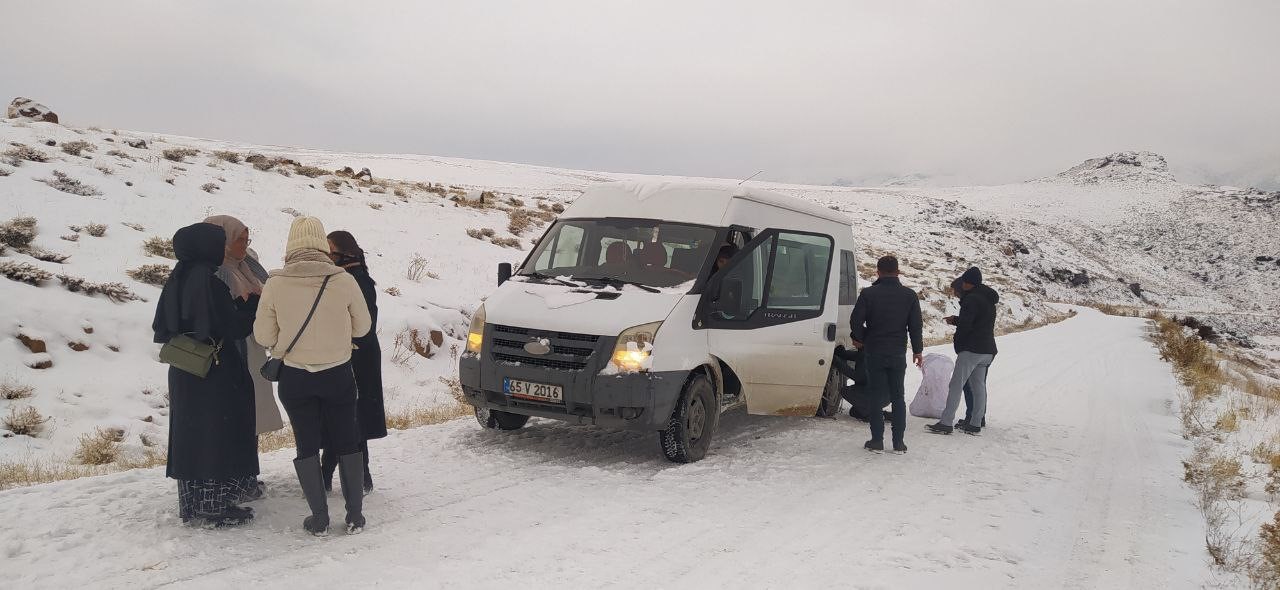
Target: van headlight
pixel 475 334
pixel 634 350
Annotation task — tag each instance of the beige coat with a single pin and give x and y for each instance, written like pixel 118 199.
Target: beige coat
pixel 286 299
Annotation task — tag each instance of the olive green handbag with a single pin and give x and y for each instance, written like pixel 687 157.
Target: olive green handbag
pixel 190 355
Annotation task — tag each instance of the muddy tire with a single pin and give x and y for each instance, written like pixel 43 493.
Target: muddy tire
pixel 494 419
pixel 692 425
pixel 830 404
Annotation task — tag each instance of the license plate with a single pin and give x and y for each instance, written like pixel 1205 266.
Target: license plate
pixel 534 391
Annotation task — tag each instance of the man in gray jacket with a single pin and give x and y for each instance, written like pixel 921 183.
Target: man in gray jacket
pixel 885 315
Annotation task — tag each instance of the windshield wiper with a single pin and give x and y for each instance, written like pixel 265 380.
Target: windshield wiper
pixel 546 277
pixel 619 282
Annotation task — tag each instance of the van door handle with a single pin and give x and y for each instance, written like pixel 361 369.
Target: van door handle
pixel 831 332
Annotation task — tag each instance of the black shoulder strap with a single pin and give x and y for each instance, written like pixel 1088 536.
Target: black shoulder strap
pixel 309 314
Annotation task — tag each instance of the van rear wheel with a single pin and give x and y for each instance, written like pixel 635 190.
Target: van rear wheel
pixel 493 419
pixel 688 434
pixel 830 404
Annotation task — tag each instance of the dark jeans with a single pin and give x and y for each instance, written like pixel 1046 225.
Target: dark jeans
pixel 321 406
pixel 885 375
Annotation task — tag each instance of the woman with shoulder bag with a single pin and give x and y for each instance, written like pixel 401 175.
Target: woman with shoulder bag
pixel 366 359
pixel 309 313
pixel 211 419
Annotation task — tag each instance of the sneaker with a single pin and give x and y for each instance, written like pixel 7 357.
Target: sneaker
pixel 939 428
pixel 875 446
pixel 974 430
pixel 899 448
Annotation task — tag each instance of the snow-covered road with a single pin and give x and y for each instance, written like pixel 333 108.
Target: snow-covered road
pixel 1075 484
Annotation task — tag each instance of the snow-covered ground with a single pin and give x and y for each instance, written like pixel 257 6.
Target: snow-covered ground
pixel 1074 484
pixel 1093 233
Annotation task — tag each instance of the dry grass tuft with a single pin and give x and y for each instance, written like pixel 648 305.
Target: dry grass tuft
pixel 276 440
pixel 18 232
pixel 24 272
pixel 415 416
pixel 179 154
pixel 507 243
pixel 228 156
pixel 19 153
pixel 310 171
pixel 64 182
pixel 1229 421
pixel 11 390
pixel 99 447
pixel 24 422
pixel 76 148
pixel 1192 359
pixel 417 268
pixel 158 246
pixel 96 230
pixel 151 274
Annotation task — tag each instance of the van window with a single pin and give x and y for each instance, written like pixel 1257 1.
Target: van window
pixel 618 251
pixel 848 278
pixel 784 274
pixel 742 289
pixel 565 247
pixel 800 265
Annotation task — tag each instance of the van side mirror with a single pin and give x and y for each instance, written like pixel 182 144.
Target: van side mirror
pixel 504 272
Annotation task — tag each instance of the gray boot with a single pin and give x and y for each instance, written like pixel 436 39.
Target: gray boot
pixel 311 480
pixel 351 474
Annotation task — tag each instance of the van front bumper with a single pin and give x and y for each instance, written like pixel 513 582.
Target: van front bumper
pixel 639 401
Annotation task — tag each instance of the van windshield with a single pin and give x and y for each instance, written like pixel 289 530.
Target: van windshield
pixel 642 251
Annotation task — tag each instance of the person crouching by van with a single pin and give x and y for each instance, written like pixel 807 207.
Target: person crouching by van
pixel 211 426
pixel 884 317
pixel 366 359
pixel 975 345
pixel 309 313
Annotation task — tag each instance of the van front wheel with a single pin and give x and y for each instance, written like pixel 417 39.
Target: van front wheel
pixel 494 419
pixel 688 433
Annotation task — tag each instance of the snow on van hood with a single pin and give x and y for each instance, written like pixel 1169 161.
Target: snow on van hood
pixel 566 309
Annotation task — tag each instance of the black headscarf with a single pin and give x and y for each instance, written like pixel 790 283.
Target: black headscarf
pixel 187 302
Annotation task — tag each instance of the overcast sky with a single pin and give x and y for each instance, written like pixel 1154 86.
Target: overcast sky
pixel 972 91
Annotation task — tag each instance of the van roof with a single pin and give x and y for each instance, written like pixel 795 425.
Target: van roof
pixel 689 202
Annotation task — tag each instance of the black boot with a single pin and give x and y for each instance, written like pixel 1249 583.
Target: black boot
pixel 328 464
pixel 875 446
pixel 939 428
pixel 309 477
pixel 351 472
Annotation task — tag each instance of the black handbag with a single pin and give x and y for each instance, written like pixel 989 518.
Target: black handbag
pixel 271 369
pixel 190 355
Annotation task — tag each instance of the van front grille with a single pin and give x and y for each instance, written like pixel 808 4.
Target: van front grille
pixel 567 351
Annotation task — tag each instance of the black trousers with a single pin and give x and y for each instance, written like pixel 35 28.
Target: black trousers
pixel 885 375
pixel 321 406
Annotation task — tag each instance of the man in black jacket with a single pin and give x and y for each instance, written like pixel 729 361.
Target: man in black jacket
pixel 884 316
pixel 975 345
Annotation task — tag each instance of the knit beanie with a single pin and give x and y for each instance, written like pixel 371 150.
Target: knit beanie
pixel 307 232
pixel 973 276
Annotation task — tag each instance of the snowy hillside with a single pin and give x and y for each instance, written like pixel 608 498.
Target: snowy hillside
pixel 1109 230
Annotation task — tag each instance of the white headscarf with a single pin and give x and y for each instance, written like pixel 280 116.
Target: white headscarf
pixel 238 274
